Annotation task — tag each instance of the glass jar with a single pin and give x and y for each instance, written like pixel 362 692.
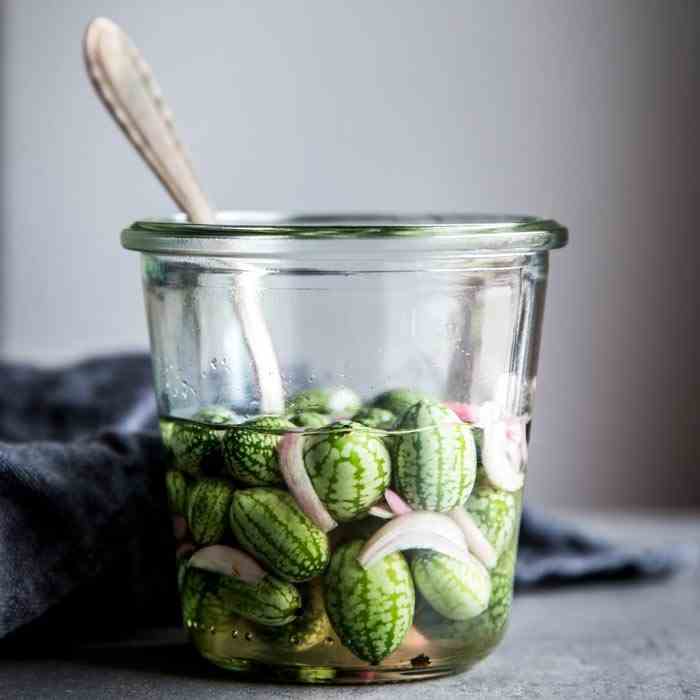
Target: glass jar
pixel 346 404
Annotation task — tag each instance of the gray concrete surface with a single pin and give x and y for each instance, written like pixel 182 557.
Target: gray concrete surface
pixel 624 640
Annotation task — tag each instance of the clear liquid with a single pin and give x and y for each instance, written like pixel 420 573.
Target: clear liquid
pixel 433 645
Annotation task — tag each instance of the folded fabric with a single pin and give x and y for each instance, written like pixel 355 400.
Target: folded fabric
pixel 85 536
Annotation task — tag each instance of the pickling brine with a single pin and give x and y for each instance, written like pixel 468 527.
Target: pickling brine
pixel 349 551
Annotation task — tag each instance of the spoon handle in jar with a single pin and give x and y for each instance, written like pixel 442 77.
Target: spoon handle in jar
pixel 125 84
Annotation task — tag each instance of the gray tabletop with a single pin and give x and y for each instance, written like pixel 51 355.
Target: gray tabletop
pixel 623 640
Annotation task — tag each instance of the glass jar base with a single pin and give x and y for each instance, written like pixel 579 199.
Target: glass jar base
pixel 240 647
pixel 251 670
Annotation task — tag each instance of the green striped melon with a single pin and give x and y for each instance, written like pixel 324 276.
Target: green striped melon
pixel 310 419
pixel 166 433
pixel 349 467
pixel 370 609
pixel 208 505
pixel 456 590
pixel 211 600
pixel 495 513
pixel 486 629
pixel 373 417
pixel 193 585
pixel 398 400
pixel 478 441
pixel 176 486
pixel 496 616
pixel 217 415
pixel 181 563
pixel 435 464
pixel 308 630
pixel 250 450
pixel 336 401
pixel 269 524
pixel 194 444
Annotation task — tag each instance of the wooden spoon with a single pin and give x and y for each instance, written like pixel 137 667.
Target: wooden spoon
pixel 124 82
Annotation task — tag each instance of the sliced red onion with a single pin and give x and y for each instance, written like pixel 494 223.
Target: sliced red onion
pixel 466 412
pixel 381 511
pixel 297 479
pixel 396 504
pixel 516 432
pixel 415 530
pixel 476 541
pixel 502 458
pixel 487 413
pixel 228 561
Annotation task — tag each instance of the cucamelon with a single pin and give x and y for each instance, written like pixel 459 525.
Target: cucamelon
pixel 268 523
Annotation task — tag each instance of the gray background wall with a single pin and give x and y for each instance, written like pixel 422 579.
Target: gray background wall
pixel 584 111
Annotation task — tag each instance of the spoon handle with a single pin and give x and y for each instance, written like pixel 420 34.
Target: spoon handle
pixel 125 84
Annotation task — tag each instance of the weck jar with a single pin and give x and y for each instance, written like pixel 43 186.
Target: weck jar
pixel 345 402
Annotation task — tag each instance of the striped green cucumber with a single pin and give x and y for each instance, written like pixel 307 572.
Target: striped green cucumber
pixel 398 400
pixel 335 401
pixel 268 523
pixel 176 486
pixel 166 434
pixel 211 600
pixel 370 609
pixel 496 616
pixel 208 505
pixel 490 625
pixel 308 630
pixel 435 463
pixel 455 589
pixel 349 467
pixel 250 450
pixel 310 419
pixel 195 444
pixel 373 417
pixel 495 513
pixel 217 415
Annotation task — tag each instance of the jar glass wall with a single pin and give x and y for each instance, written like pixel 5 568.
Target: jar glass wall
pixel 346 508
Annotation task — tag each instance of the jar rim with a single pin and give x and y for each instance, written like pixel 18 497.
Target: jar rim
pixel 237 231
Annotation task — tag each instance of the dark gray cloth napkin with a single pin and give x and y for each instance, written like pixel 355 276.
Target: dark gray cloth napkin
pixel 85 536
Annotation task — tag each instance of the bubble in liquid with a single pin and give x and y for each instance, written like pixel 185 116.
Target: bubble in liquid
pixel 234 634
pixel 249 636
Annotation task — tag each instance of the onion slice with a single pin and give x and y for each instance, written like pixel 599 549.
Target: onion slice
pixel 295 476
pixel 397 505
pixel 381 511
pixel 476 541
pixel 415 530
pixel 391 506
pixel 466 412
pixel 502 458
pixel 228 561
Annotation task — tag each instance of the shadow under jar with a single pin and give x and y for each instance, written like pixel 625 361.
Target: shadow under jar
pixel 346 508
